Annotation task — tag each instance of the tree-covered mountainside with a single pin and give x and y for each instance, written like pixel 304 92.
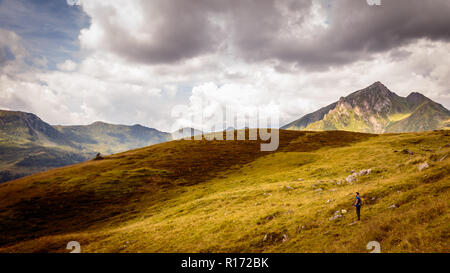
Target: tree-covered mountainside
pixel 376 109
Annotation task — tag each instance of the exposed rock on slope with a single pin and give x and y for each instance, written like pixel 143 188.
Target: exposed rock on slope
pixel 376 109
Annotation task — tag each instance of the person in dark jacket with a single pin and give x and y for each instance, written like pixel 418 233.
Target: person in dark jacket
pixel 358 205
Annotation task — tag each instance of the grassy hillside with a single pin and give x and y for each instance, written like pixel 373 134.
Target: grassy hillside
pixel 227 196
pixel 29 145
pixel 427 116
pixel 109 138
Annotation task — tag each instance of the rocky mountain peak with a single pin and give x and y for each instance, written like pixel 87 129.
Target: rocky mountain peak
pixel 375 109
pixel 376 89
pixel 416 98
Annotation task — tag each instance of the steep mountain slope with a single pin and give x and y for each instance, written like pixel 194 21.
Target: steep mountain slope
pixel 376 109
pixel 108 138
pixel 426 117
pixel 20 127
pixel 29 145
pixel 227 196
pixel 310 118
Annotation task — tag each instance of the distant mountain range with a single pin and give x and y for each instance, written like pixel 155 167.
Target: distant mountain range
pixel 29 145
pixel 376 109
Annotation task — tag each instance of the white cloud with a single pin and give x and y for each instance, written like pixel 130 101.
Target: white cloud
pixel 107 86
pixel 73 2
pixel 11 40
pixel 67 65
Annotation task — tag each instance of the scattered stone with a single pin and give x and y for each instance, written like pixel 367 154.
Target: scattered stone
pixel 423 166
pixel 352 171
pixel 334 217
pixel 406 151
pixel 343 211
pixel 329 201
pixel 318 190
pixel 289 188
pixel 353 223
pixel 274 237
pixel 338 183
pixel 351 178
pixel 393 206
pixel 427 150
pixel 333 190
pixel 373 198
pixel 300 179
pixel 364 172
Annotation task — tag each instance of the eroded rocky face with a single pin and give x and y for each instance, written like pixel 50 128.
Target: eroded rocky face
pixel 376 109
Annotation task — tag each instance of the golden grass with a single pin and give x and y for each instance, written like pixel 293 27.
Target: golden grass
pixel 227 196
pixel 397 117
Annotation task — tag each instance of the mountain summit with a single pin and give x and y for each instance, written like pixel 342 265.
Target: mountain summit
pixel 376 109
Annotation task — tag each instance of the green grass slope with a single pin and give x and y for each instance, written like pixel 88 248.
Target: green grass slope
pixel 427 116
pixel 29 145
pixel 227 196
pixel 109 138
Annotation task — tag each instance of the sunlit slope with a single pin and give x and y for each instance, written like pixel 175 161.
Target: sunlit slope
pixel 210 196
pixel 376 109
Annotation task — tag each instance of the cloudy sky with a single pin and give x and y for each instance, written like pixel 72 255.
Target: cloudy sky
pixel 134 61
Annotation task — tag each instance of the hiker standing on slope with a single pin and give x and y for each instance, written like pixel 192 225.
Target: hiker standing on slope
pixel 358 205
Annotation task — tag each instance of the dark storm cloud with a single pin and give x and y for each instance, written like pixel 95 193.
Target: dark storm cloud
pixel 356 31
pixel 179 30
pixel 259 30
pixel 254 30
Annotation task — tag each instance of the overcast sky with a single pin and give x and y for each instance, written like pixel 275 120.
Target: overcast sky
pixel 133 61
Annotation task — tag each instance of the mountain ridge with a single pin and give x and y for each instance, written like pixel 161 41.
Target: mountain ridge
pixel 375 109
pixel 29 145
